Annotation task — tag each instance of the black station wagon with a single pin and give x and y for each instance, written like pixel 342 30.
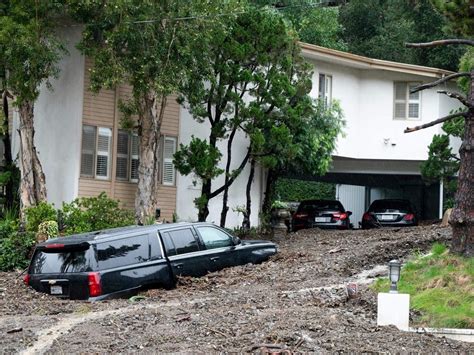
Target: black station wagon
pixel 118 262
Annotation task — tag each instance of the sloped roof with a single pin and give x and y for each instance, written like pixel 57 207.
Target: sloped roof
pixel 312 51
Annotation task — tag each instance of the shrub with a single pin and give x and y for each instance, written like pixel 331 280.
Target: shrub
pixel 15 249
pixel 38 214
pixel 297 190
pixel 88 214
pixel 48 229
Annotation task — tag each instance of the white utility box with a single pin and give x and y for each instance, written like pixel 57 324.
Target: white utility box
pixel 393 309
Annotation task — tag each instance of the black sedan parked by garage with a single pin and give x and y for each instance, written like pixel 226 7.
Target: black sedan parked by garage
pixel 326 214
pixel 118 262
pixel 389 213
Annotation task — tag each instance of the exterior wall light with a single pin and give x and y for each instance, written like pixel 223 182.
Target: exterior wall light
pixel 394 267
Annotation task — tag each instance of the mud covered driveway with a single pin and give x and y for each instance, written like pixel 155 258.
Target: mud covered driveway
pixel 298 301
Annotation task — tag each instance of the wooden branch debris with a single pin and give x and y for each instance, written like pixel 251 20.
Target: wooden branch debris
pixel 457 96
pixel 435 122
pixel 439 81
pixel 441 42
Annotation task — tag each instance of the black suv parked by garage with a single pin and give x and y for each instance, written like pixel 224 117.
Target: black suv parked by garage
pixel 118 262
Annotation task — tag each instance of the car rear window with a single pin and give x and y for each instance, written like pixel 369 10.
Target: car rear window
pixel 390 206
pixel 45 262
pixel 320 206
pixel 123 252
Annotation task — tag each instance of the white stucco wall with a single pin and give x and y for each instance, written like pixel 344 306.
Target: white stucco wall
pixel 58 117
pixel 187 192
pixel 366 97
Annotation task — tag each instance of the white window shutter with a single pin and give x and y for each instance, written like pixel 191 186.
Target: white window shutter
pixel 169 148
pixel 400 101
pixel 88 150
pixel 134 158
pixel 103 153
pixel 122 155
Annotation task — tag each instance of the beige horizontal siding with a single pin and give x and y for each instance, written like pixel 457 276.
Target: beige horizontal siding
pixel 93 187
pixel 170 124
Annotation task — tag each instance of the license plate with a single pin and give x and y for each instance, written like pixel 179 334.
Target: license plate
pixel 322 219
pixel 386 217
pixel 56 290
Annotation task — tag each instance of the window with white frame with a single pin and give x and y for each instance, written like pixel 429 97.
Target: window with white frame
pixel 325 88
pixel 169 171
pixel 406 106
pixel 127 156
pixel 96 151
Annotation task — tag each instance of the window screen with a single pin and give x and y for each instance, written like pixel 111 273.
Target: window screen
pixel 214 238
pixel 184 241
pixel 123 252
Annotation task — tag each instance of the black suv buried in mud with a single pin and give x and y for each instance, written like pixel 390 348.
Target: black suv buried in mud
pixel 118 262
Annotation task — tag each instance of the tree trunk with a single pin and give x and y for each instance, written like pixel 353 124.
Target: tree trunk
pixel 462 218
pixel 203 204
pixel 225 197
pixel 146 198
pixel 248 207
pixel 33 182
pixel 9 194
pixel 272 177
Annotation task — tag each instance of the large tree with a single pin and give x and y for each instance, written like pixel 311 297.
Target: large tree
pixel 249 67
pixel 29 54
pixel 151 45
pixel 462 218
pixel 379 29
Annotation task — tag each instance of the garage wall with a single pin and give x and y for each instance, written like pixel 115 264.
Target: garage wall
pixel 352 198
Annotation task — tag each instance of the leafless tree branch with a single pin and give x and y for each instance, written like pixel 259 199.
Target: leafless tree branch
pixel 441 42
pixel 439 81
pixel 457 96
pixel 435 122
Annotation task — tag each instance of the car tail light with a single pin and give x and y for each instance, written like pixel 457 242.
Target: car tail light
pixel 409 217
pixel 339 215
pixel 26 279
pixel 95 288
pixel 367 216
pixel 301 215
pixel 54 246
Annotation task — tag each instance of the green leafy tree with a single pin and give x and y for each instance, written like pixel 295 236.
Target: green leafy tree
pixel 151 45
pixel 314 22
pixel 314 139
pixel 29 54
pixel 462 217
pixel 370 23
pixel 249 63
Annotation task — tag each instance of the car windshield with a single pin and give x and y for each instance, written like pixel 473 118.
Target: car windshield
pixel 320 206
pixel 390 206
pixel 68 262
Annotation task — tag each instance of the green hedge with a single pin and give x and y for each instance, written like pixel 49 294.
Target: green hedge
pixel 297 190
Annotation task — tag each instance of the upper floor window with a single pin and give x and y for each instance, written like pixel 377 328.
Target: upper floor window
pixel 96 150
pixel 325 88
pixel 406 106
pixel 127 156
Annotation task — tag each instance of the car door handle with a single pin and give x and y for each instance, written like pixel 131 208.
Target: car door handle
pixel 178 266
pixel 215 258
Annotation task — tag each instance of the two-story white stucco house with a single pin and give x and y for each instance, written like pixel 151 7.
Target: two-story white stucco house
pixel 84 151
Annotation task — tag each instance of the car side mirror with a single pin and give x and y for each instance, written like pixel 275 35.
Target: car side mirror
pixel 349 213
pixel 236 240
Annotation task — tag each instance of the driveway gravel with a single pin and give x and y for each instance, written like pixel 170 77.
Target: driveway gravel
pixel 299 301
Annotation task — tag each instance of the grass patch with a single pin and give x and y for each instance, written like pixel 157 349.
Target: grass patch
pixel 441 288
